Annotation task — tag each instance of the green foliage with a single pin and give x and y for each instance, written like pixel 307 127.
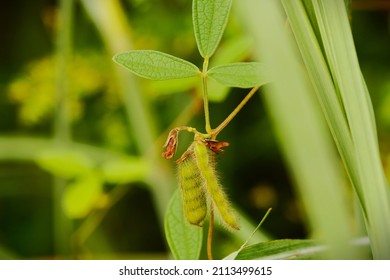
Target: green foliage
pixel 240 74
pixel 65 163
pixel 85 187
pixel 281 249
pixel 82 195
pixel 156 65
pixel 346 103
pixel 184 239
pixel 124 170
pixel 33 90
pixel 110 120
pixel 344 67
pixel 210 19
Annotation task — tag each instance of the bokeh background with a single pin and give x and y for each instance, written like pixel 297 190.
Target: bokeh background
pixel 81 174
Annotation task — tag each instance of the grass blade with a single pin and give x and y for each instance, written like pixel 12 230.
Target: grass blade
pixel 301 129
pixel 326 91
pixel 281 249
pixel 338 45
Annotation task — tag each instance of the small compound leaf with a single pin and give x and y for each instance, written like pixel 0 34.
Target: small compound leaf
pixel 282 249
pixel 240 74
pixel 184 240
pixel 124 170
pixel 210 18
pixel 64 163
pixel 82 196
pixel 156 65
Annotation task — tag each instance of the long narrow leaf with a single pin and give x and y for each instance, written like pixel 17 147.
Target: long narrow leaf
pixel 323 84
pixel 301 129
pixel 282 249
pixel 338 43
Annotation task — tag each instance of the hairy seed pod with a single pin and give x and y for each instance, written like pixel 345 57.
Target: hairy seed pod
pixel 206 168
pixel 192 189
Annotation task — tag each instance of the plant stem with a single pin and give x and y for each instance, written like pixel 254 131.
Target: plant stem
pixel 210 233
pixel 205 95
pixel 217 130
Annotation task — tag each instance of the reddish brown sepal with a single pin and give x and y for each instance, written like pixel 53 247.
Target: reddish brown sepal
pixel 216 146
pixel 171 144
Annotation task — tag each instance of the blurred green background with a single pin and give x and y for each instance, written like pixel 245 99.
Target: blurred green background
pixel 81 174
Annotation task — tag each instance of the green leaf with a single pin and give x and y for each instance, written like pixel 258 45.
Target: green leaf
pixel 64 163
pixel 236 48
pixel 184 240
pixel 301 130
pixel 240 74
pixel 124 170
pixel 81 196
pixel 343 63
pixel 281 249
pixel 210 18
pixel 156 65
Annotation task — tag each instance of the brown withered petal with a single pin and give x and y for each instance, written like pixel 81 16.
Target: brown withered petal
pixel 216 146
pixel 171 144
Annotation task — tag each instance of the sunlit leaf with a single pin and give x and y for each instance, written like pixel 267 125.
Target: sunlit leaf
pixel 210 18
pixel 156 65
pixel 300 128
pixel 82 195
pixel 64 163
pixel 184 240
pixel 124 170
pixel 281 249
pixel 339 48
pixel 240 74
pixel 330 57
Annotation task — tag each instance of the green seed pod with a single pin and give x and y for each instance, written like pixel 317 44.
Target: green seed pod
pixel 192 189
pixel 219 198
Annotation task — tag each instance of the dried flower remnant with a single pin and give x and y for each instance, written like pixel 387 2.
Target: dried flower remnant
pixel 216 146
pixel 171 144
